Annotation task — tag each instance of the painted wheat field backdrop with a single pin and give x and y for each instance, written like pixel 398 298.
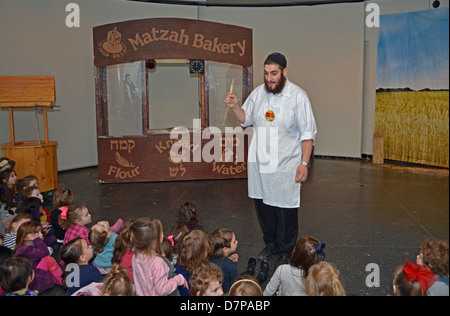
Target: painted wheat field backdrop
pixel 415 125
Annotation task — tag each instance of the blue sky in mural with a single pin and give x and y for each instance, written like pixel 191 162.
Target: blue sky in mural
pixel 413 50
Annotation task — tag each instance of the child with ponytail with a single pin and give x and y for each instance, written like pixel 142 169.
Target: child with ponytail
pixel 150 272
pixel 74 219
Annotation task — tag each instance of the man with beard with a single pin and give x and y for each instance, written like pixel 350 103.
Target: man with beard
pixel 284 131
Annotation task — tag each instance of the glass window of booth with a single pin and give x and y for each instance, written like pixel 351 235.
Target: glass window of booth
pixel 135 99
pixel 173 95
pixel 220 78
pixel 125 92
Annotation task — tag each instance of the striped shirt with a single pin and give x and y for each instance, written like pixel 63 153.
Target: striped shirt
pixel 9 240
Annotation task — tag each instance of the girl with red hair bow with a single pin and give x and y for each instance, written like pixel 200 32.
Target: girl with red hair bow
pixel 413 280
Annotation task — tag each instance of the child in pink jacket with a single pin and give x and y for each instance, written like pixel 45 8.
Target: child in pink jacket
pixel 150 272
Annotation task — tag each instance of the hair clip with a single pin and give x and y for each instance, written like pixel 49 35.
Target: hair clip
pixel 170 238
pixel 64 210
pixel 320 252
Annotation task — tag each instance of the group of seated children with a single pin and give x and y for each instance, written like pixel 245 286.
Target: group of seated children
pixel 137 258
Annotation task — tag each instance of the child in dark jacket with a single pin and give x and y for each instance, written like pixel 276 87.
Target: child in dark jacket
pixel 79 253
pixel 224 244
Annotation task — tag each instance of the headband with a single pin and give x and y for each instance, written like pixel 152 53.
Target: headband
pixel 416 272
pixel 244 280
pixel 64 210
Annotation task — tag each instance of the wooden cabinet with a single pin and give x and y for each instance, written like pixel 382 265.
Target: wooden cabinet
pixel 38 157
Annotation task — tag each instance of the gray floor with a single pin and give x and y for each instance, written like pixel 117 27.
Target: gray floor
pixel 365 213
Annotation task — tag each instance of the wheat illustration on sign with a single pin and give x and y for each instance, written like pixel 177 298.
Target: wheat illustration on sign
pixel 122 161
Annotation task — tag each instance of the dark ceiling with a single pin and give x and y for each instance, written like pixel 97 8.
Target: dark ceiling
pixel 250 3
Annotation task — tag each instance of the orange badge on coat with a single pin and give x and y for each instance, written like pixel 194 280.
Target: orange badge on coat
pixel 270 116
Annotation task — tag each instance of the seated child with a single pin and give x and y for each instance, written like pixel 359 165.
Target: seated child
pixel 194 249
pixel 188 215
pixel 124 249
pixel 224 244
pixel 34 191
pixel 29 243
pixel 150 272
pixel 245 285
pixel 73 220
pixel 8 181
pixel 33 205
pixel 103 240
pixel 5 218
pixel 167 256
pixel 78 252
pixel 289 279
pixel 10 237
pixel 116 283
pixel 412 280
pixel 5 253
pixel 24 183
pixel 174 234
pixel 62 198
pixel 434 256
pixel 16 274
pixel 324 280
pixel 206 280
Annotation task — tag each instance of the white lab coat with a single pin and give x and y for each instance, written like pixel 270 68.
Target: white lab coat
pixel 272 165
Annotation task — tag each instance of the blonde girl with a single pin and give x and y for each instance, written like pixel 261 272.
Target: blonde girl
pixel 117 283
pixel 324 280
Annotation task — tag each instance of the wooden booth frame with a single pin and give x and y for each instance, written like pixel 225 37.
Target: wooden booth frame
pixel 149 157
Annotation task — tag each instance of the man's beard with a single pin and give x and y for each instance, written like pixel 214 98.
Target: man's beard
pixel 278 87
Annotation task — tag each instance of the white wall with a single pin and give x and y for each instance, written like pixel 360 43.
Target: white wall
pixel 331 54
pixel 324 49
pixel 35 41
